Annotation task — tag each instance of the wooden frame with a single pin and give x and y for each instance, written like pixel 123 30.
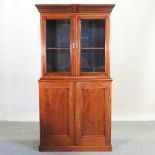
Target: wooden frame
pixel 44 17
pixel 75 53
pixel 107 63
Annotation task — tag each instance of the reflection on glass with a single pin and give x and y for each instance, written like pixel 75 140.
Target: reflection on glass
pixel 58 45
pixel 58 61
pixel 92 45
pixel 92 61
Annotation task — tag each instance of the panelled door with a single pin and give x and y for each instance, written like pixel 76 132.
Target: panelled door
pixel 93 113
pixel 57 113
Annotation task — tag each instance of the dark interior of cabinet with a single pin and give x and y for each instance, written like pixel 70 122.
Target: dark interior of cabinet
pixel 58 45
pixel 92 45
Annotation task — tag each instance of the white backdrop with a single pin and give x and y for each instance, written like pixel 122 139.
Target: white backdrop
pixel 132 59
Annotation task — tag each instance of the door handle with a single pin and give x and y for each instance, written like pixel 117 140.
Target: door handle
pixel 75 45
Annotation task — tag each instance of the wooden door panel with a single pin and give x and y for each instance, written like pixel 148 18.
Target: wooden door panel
pixel 57 113
pixel 93 120
pixel 92 113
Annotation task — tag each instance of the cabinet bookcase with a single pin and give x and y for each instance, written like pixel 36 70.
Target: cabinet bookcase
pixel 75 86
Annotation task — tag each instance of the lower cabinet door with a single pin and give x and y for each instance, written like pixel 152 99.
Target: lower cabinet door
pixel 56 113
pixel 93 113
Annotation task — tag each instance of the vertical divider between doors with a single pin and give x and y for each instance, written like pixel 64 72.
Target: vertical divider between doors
pixel 77 114
pixel 72 50
pixel 75 108
pixel 75 74
pixel 78 48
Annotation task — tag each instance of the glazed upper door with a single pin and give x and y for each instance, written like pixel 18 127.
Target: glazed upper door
pixel 57 38
pixel 75 45
pixel 91 40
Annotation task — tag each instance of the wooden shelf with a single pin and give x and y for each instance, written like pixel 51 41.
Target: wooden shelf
pixel 92 48
pixel 87 48
pixel 50 48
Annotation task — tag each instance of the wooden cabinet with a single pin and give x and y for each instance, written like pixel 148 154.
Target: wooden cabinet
pixel 75 86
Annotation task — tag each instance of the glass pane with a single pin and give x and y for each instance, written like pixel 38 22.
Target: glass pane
pixel 92 61
pixel 58 61
pixel 58 33
pixel 58 45
pixel 92 45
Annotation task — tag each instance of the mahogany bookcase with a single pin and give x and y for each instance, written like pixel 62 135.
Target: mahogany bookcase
pixel 75 85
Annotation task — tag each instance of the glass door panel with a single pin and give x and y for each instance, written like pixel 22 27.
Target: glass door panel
pixel 58 45
pixel 92 49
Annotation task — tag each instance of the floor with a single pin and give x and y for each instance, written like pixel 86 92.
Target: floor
pixel 128 138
